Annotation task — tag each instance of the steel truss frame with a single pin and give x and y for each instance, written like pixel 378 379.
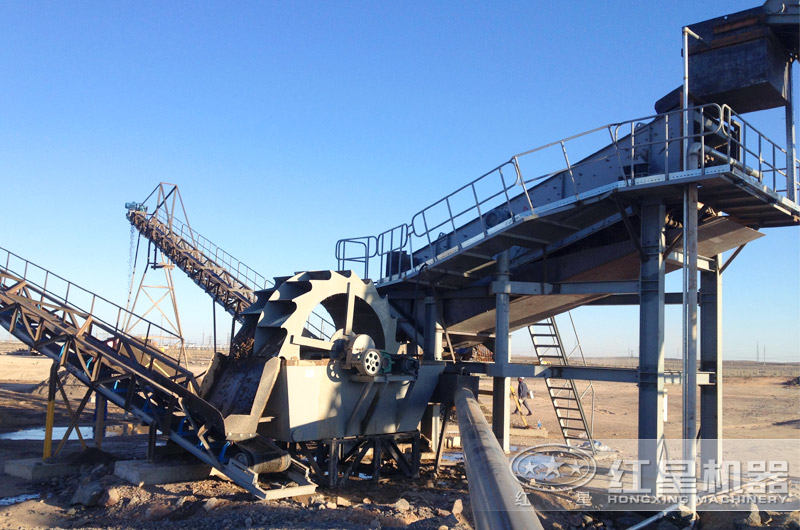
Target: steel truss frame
pixel 333 462
pixel 178 242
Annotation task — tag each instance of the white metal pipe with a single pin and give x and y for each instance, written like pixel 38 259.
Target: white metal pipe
pixel 495 493
pixel 654 518
pixel 689 378
pixel 685 100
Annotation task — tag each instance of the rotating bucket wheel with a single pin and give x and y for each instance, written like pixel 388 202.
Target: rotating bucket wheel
pixel 355 307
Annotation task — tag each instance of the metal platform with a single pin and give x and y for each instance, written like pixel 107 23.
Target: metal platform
pixel 577 227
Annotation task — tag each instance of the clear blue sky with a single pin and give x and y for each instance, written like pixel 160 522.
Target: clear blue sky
pixel 290 125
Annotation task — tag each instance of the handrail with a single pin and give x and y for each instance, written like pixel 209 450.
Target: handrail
pixel 238 271
pixel 472 203
pixel 235 267
pixel 98 303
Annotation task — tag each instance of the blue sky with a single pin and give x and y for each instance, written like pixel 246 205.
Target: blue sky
pixel 291 125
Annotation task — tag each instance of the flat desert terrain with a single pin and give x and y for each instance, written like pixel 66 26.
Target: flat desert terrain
pixel 758 404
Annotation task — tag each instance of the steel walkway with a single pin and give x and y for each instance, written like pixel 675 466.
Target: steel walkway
pixel 81 332
pixel 578 222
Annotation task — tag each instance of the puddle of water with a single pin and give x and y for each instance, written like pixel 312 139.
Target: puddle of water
pixel 453 457
pixel 38 433
pixel 58 433
pixel 8 501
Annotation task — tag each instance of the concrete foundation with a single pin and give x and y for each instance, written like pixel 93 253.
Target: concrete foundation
pixel 35 470
pixel 147 473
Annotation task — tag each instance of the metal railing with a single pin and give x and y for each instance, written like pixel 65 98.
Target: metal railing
pixel 56 292
pixel 505 193
pixel 241 273
pixel 238 270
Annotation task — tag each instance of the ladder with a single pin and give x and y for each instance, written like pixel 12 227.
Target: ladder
pixel 564 393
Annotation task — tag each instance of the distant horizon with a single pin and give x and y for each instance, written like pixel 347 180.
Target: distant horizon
pixel 13 340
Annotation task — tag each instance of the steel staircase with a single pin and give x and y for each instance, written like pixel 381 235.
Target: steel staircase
pixel 564 393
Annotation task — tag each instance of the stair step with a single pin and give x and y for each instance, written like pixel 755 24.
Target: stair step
pixel 569 408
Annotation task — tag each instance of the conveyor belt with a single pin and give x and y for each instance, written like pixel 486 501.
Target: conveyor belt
pixel 41 309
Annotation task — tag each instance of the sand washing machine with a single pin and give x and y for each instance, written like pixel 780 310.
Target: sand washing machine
pixel 330 398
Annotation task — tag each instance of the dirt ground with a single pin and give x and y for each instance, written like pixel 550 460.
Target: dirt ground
pixel 755 407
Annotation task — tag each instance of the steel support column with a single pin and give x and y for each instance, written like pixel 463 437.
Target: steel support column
pixel 100 411
pixel 501 386
pixel 429 347
pixel 711 361
pixel 791 149
pixel 651 344
pixel 690 340
pixel 49 419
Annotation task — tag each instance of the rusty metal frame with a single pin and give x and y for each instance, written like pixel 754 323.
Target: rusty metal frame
pixel 180 244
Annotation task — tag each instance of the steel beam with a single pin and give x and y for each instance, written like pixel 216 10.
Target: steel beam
pixel 711 361
pixel 501 386
pixel 703 263
pixel 633 299
pixel 496 496
pixel 611 374
pixel 651 345
pixel 539 288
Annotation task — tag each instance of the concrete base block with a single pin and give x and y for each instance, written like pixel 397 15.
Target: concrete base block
pixel 35 470
pixel 146 473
